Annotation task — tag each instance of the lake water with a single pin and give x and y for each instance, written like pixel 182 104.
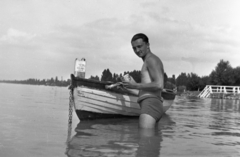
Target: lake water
pixel 34 123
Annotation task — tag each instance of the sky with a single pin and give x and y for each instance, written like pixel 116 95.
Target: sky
pixel 42 38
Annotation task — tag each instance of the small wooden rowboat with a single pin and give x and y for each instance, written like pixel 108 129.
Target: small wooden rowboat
pixel 93 101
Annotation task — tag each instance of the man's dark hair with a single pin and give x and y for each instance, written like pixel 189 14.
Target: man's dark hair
pixel 140 36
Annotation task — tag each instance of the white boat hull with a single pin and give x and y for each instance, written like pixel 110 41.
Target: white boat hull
pixel 89 102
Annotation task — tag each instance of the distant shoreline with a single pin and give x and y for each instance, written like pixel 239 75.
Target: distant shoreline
pixel 38 82
pixel 63 84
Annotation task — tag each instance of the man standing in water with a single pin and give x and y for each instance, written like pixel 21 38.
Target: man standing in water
pixel 152 81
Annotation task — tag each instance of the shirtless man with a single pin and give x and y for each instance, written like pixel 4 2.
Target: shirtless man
pixel 151 86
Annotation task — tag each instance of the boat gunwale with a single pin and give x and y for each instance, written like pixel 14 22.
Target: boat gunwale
pixel 100 85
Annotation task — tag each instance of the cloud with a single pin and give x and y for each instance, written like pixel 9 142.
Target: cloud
pixel 104 40
pixel 53 34
pixel 14 36
pixel 192 59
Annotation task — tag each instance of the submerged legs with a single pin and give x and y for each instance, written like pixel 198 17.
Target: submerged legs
pixel 146 121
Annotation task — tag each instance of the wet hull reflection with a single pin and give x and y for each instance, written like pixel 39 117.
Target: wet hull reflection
pixel 116 137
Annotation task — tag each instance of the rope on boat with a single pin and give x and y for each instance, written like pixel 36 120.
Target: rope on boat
pixel 71 103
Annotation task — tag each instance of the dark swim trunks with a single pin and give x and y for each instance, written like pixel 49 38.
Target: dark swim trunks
pixel 151 105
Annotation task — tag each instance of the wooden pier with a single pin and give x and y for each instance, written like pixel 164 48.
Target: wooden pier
pixel 215 91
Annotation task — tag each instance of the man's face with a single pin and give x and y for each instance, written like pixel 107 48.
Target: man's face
pixel 140 47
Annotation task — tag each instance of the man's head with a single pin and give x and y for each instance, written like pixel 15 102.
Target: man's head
pixel 140 36
pixel 140 45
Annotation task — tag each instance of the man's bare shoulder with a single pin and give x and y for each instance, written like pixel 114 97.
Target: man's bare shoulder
pixel 153 59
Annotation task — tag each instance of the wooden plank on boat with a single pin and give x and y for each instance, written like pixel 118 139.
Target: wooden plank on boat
pixel 83 99
pixel 99 109
pixel 108 94
pixel 105 104
pixel 108 97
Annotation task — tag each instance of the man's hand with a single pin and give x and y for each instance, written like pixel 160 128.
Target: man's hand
pixel 130 85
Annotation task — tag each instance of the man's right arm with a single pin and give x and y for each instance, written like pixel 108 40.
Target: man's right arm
pixel 128 78
pixel 134 92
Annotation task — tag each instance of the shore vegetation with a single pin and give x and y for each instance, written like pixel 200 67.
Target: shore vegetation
pixel 223 74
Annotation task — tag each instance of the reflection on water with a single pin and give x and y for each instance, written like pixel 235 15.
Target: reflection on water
pixel 116 137
pixel 225 105
pixel 225 121
pixel 192 127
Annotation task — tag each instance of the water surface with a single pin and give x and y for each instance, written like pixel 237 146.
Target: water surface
pixel 34 122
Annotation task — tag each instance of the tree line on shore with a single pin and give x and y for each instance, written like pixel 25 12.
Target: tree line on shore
pixel 223 74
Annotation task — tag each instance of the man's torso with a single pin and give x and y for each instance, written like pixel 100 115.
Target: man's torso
pixel 146 78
